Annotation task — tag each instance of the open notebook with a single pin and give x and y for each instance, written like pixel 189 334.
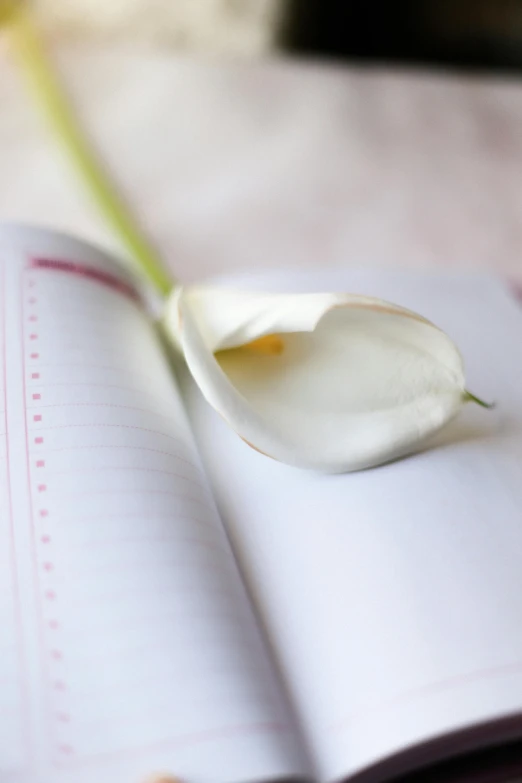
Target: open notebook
pixel 205 610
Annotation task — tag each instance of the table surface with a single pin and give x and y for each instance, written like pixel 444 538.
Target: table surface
pixel 269 163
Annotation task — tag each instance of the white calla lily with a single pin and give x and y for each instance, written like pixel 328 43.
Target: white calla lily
pixel 352 381
pixel 334 382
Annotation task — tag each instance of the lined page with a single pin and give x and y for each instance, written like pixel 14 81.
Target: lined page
pixel 131 646
pixel 393 596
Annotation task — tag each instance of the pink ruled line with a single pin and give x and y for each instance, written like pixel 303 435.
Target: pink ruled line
pixel 130 469
pixel 92 273
pixel 129 494
pixel 86 365
pixel 417 694
pixel 112 426
pixel 80 601
pixel 219 670
pixel 145 622
pixel 159 709
pixel 134 448
pixel 145 516
pixel 107 405
pixel 125 567
pixel 175 538
pixel 44 662
pixel 88 384
pixel 196 738
pixel 22 684
pixel 155 644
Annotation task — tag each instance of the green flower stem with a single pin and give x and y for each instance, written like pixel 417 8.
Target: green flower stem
pixel 33 60
pixel 469 397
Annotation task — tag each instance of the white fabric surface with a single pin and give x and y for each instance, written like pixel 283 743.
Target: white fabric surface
pixel 268 163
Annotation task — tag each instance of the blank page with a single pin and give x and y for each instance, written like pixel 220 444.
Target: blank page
pixel 128 644
pixel 393 597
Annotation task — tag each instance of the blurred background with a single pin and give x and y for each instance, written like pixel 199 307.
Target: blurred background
pixel 483 34
pixel 470 34
pixel 284 132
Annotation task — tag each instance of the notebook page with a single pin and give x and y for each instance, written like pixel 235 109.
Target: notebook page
pixel 393 597
pixel 128 644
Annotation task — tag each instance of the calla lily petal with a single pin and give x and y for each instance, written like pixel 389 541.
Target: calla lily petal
pixel 334 382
